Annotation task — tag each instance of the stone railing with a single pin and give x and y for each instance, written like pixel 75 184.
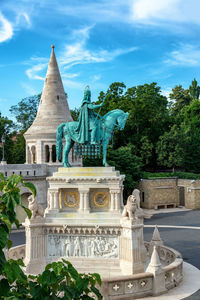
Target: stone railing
pixel 125 287
pixel 17 252
pixel 25 170
pixel 173 264
pixel 138 285
pixel 141 285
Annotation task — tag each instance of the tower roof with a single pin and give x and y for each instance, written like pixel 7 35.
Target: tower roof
pixel 53 108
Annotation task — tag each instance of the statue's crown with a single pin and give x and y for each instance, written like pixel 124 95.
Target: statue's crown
pixel 87 91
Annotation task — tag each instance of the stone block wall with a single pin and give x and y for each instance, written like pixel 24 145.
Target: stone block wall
pixel 169 192
pixel 159 192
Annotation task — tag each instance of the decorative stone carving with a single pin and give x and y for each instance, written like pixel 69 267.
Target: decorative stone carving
pixel 101 199
pixel 130 209
pixel 36 209
pixel 82 246
pixel 70 199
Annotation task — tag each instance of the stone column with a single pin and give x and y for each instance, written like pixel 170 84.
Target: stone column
pixel 112 201
pixel 51 200
pixel 56 200
pixel 81 204
pixel 130 246
pixel 31 152
pixel 84 200
pixel 27 154
pixel 39 152
pixel 117 201
pixel 50 154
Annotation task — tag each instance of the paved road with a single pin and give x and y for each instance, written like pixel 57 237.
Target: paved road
pixel 186 240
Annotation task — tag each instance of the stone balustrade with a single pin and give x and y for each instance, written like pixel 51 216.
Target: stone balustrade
pixel 128 286
pixel 25 170
pixel 124 287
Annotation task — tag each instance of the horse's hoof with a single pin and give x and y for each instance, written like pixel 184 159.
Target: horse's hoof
pixel 67 165
pixel 106 165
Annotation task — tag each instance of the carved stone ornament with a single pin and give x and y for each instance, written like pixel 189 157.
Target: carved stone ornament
pixel 82 246
pixel 130 208
pixel 35 208
pixel 70 199
pixel 101 199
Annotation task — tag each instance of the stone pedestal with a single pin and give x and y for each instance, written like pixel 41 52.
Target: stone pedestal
pixel 83 223
pixel 35 259
pixel 95 194
pixel 131 247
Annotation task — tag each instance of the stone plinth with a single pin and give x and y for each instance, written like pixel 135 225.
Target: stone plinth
pixel 83 223
pixel 131 250
pixel 94 195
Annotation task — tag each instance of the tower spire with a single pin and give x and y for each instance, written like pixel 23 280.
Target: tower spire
pixel 53 108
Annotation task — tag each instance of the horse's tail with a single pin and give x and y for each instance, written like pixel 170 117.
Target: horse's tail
pixel 59 136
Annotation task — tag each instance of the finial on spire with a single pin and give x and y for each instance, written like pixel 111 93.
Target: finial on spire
pixel 52 46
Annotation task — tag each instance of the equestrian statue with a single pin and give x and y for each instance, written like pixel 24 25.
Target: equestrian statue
pixel 89 132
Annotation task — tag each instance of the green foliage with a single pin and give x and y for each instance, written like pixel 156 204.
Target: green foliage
pixel 25 111
pixel 181 175
pixel 74 114
pixel 148 116
pixel 60 280
pixel 180 98
pixel 194 89
pixel 125 160
pixel 170 148
pixel 17 155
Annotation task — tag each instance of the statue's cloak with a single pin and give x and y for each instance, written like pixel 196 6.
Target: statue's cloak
pixel 82 129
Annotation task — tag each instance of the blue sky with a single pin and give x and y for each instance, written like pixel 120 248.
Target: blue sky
pixel 97 43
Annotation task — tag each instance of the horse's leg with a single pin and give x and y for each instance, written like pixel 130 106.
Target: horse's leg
pixel 66 151
pixel 105 145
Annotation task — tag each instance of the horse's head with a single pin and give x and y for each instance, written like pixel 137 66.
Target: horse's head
pixel 121 120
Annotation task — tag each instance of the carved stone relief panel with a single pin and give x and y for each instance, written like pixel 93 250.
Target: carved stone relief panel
pixel 69 199
pixel 99 199
pixel 105 247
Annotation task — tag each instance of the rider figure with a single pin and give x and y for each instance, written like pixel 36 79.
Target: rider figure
pixel 88 123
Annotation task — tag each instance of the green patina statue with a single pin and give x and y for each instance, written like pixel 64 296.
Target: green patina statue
pixel 88 129
pixel 89 132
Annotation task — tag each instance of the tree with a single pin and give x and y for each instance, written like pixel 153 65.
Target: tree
pixel 74 113
pixel 25 111
pixel 6 127
pixel 171 148
pixel 60 280
pixel 179 99
pixel 194 89
pixel 125 160
pixel 18 152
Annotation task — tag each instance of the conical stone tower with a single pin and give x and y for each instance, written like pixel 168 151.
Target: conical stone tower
pixel 52 111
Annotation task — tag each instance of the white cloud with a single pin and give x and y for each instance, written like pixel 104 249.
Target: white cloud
pixel 78 53
pixel 166 92
pixel 22 19
pixel 6 29
pixel 145 10
pixel 32 72
pixel 165 12
pixel 184 55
